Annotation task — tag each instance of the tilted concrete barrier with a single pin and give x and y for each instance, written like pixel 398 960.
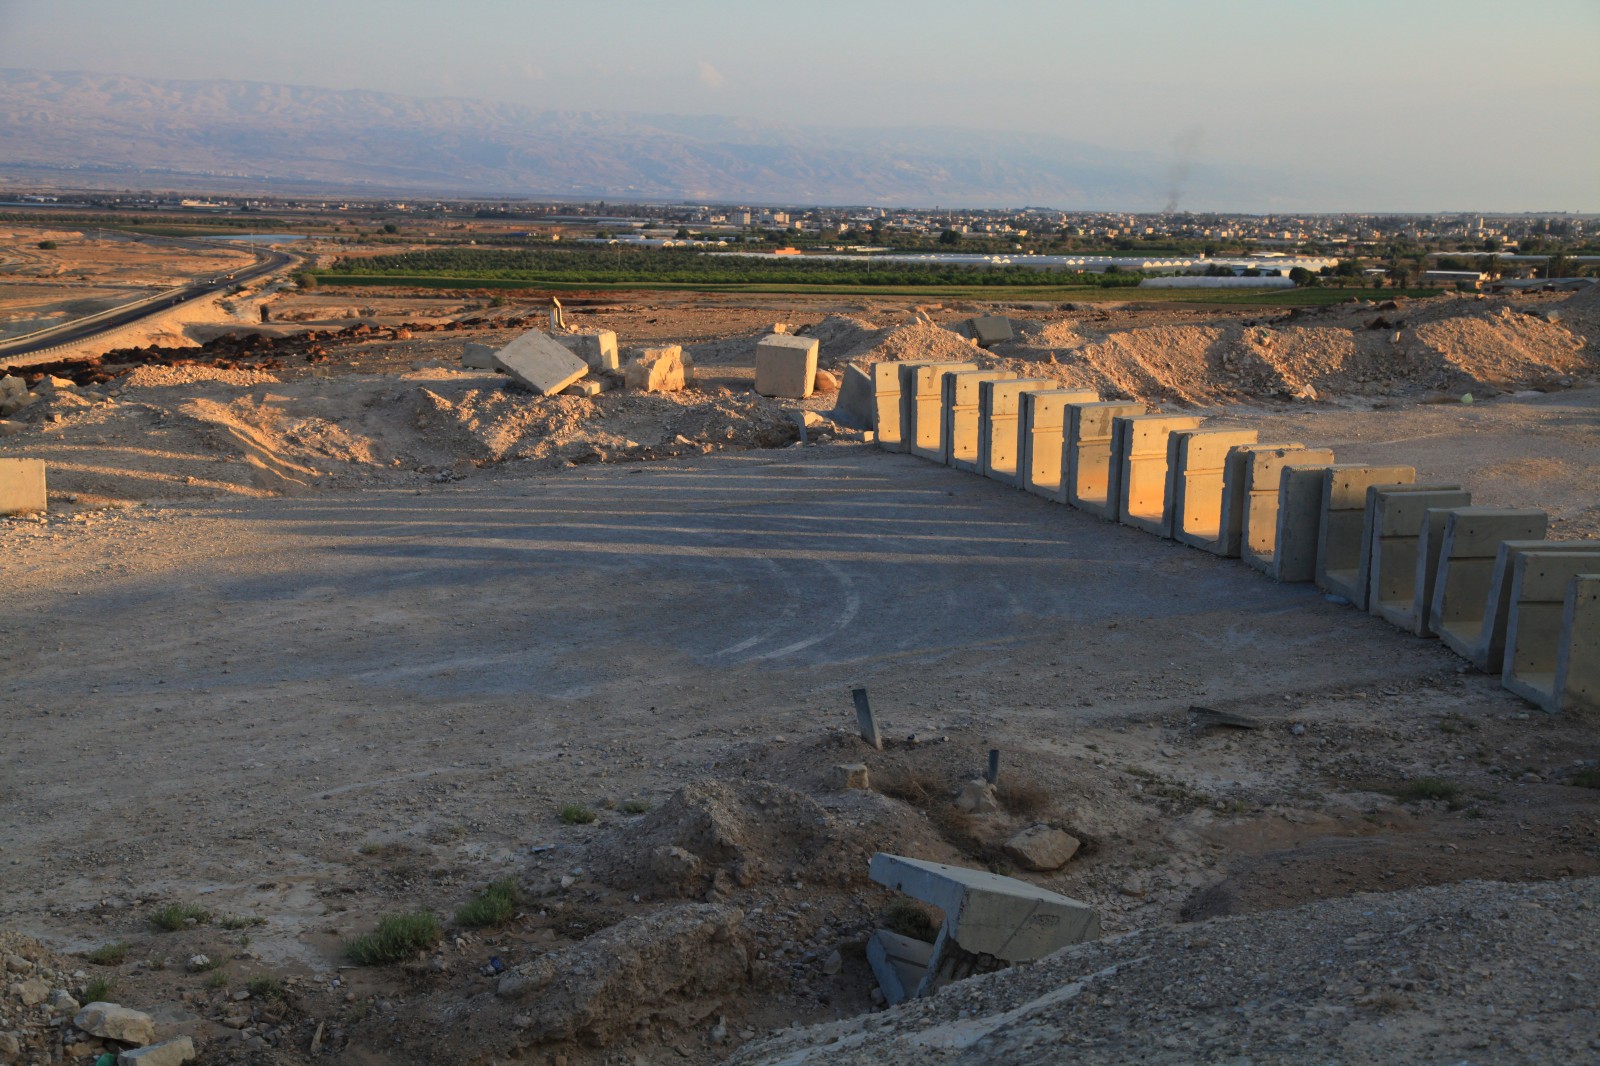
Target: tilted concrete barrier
pixel 1547 626
pixel 1397 516
pixel 922 407
pixel 1093 472
pixel 1256 472
pixel 1488 651
pixel 1000 426
pixel 1300 496
pixel 1044 436
pixel 1196 512
pixel 1139 444
pixel 962 418
pixel 22 486
pixel 1341 551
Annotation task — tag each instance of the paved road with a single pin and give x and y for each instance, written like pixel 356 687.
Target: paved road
pixel 85 329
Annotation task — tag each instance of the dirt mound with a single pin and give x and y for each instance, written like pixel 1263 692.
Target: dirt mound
pixel 844 337
pixel 922 340
pixel 735 834
pixel 145 377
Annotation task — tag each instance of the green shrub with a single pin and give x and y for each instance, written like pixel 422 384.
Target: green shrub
pixel 495 905
pixel 575 814
pixel 175 916
pixel 398 936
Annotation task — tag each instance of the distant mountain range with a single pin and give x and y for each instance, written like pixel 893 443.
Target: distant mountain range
pixel 244 135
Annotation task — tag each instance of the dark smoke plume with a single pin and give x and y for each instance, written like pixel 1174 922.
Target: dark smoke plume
pixel 1185 149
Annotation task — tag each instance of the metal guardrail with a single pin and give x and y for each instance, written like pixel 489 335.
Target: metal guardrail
pixel 78 323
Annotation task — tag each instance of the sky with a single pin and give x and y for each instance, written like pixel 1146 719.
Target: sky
pixel 1461 104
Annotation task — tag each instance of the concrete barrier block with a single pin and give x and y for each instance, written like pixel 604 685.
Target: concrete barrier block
pixel 1489 650
pixel 855 405
pixel 1255 472
pixel 1341 552
pixel 888 423
pixel 536 361
pixel 597 349
pixel 898 962
pixel 1196 512
pixel 1551 619
pixel 1145 481
pixel 1300 496
pixel 962 418
pixel 786 366
pixel 1397 522
pixel 1093 471
pixel 922 406
pixel 475 356
pixel 1000 425
pixel 1044 436
pixel 22 486
pixel 1467 553
pixel 1577 681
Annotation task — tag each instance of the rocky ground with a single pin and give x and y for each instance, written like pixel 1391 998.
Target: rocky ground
pixel 322 629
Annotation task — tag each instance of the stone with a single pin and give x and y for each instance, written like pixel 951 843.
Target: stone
pixel 172 1052
pixel 673 865
pixel 538 362
pixel 31 992
pixel 587 387
pixel 198 963
pixel 656 370
pixel 10 405
pixel 598 350
pixel 10 1046
pixel 786 366
pixel 826 381
pixel 851 775
pixel 61 1002
pixel 113 1022
pixel 1042 848
pixel 978 797
pixel 475 356
pixel 11 429
pixel 833 963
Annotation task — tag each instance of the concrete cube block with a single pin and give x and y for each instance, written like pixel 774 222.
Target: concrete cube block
pixel 1342 554
pixel 1552 621
pixel 922 406
pixel 1145 485
pixel 536 361
pixel 1043 433
pixel 1467 554
pixel 1397 523
pixel 1488 651
pixel 989 330
pixel 656 370
pixel 598 349
pixel 22 486
pixel 475 356
pixel 1257 476
pixel 1000 425
pixel 1093 473
pixel 1195 509
pixel 786 366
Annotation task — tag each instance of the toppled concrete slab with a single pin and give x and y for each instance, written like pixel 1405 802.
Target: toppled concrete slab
pixel 989 330
pixel 989 920
pixel 657 370
pixel 22 486
pixel 538 362
pixel 786 366
pixel 475 356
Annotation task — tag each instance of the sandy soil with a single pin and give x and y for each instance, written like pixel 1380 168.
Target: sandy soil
pixel 308 643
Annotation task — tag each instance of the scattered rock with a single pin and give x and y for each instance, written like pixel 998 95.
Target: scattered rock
pixel 850 775
pixel 115 1022
pixel 657 370
pixel 31 992
pixel 173 1052
pixel 825 381
pixel 1042 848
pixel 978 797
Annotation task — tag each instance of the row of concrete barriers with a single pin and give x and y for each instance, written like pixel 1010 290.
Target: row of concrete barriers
pixel 1481 579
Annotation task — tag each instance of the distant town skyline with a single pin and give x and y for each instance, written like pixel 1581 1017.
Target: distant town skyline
pixel 1426 105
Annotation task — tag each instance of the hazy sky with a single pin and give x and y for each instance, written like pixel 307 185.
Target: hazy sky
pixel 1463 104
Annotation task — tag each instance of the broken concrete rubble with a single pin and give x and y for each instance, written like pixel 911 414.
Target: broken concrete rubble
pixel 1042 848
pixel 475 356
pixel 598 349
pixel 657 370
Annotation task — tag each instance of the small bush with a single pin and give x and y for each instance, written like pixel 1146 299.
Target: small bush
pixel 1429 788
pixel 398 936
pixel 305 280
pixel 635 807
pixel 175 916
pixel 47 245
pixel 234 922
pixel 268 987
pixel 575 814
pixel 1022 797
pixel 97 990
pixel 217 980
pixel 495 905
pixel 1585 779
pixel 909 918
pixel 109 954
